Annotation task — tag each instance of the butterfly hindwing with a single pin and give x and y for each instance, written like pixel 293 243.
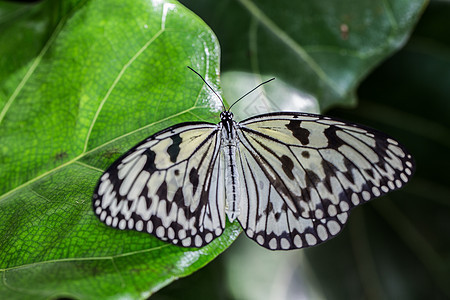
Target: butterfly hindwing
pixel 307 171
pixel 169 185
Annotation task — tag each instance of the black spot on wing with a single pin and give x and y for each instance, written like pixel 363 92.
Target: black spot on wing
pixel 174 149
pixel 148 202
pixel 288 165
pixel 298 132
pixel 169 205
pixel 330 171
pixel 150 163
pixel 178 197
pixel 305 154
pixel 333 140
pixel 277 216
pixel 349 174
pixel 162 191
pixel 313 178
pixel 193 179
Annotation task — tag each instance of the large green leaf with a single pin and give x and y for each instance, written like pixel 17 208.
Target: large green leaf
pixel 81 82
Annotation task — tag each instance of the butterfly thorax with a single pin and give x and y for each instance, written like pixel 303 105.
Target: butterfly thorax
pixel 228 132
pixel 228 147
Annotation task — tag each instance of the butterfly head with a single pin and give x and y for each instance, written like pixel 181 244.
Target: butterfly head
pixel 226 115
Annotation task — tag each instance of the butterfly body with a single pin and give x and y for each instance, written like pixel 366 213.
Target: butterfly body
pixel 290 179
pixel 229 148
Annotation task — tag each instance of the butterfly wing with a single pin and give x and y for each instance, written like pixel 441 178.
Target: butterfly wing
pixel 307 171
pixel 168 185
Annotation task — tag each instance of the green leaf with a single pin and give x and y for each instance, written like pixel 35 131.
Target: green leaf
pixel 82 82
pixel 321 48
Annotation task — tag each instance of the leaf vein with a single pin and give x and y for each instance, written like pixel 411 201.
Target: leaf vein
pixel 73 259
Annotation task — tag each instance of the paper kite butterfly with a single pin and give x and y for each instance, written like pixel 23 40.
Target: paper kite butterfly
pixel 290 179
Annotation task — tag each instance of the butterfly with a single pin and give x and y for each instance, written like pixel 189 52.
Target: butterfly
pixel 290 179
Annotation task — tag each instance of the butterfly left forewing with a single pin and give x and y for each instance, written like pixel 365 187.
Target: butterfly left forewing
pixel 164 185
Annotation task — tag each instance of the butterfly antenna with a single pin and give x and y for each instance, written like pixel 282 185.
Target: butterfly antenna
pixel 250 92
pixel 223 104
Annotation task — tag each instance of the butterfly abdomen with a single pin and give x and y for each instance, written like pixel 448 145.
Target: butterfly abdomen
pixel 232 185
